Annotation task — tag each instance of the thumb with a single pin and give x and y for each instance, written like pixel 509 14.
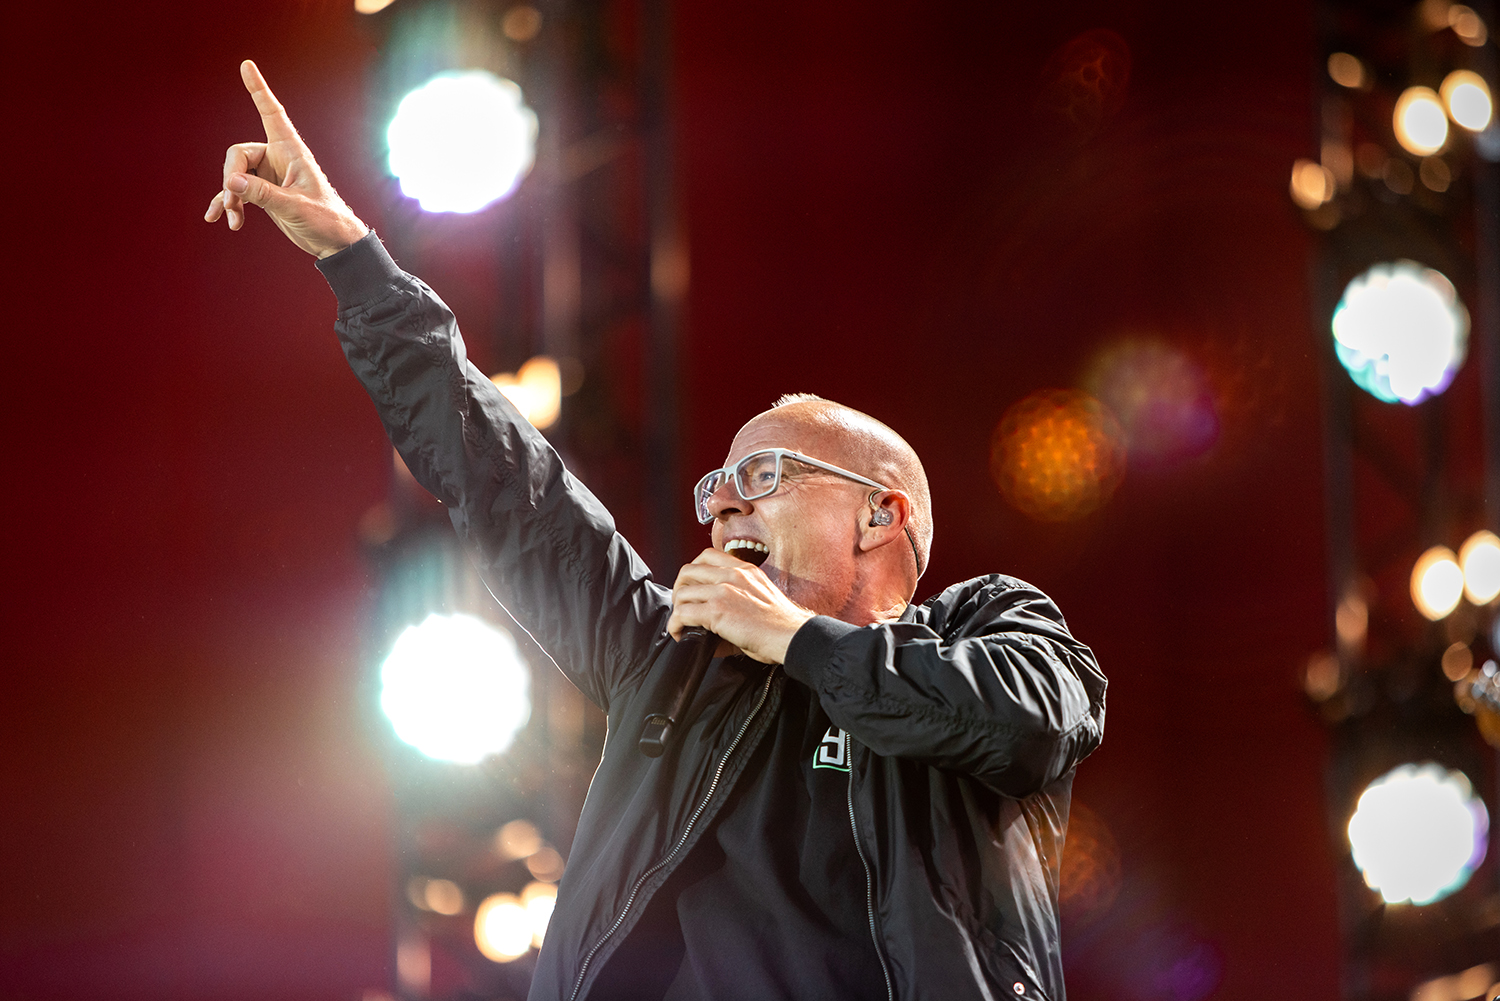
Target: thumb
pixel 259 191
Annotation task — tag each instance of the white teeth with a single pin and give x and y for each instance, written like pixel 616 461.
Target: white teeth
pixel 734 544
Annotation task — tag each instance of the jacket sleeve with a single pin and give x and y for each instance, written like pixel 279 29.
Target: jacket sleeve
pixel 992 685
pixel 544 545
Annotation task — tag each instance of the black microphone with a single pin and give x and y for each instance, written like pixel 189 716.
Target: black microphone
pixel 689 664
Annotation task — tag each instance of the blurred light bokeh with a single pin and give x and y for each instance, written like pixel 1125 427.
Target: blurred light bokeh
pixel 535 389
pixel 461 141
pixel 1313 184
pixel 1057 455
pixel 1401 332
pixel 502 928
pixel 1480 560
pixel 518 839
pixel 1085 81
pixel 1091 870
pixel 1467 98
pixel 1161 398
pixel 1481 981
pixel 1420 122
pixel 1348 71
pixel 1437 582
pixel 1418 832
pixel 455 688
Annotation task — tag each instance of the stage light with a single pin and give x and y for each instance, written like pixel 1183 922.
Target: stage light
pixel 1397 176
pixel 414 964
pixel 1467 25
pixel 536 390
pixel 1322 677
pixel 1401 332
pixel 502 928
pixel 1160 397
pixel 1458 661
pixel 1434 14
pixel 1351 621
pixel 1437 582
pixel 1338 159
pixel 546 864
pixel 1312 184
pixel 455 688
pixel 1418 832
pixel 518 839
pixel 1467 98
pixel 521 23
pixel 1057 455
pixel 1475 982
pixel 1420 122
pixel 462 140
pixel 539 899
pixel 1348 71
pixel 1435 174
pixel 371 6
pixel 1480 560
pixel 441 896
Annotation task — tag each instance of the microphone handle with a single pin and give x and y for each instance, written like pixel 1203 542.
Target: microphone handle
pixel 689 664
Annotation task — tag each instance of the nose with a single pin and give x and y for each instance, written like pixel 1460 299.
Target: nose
pixel 726 501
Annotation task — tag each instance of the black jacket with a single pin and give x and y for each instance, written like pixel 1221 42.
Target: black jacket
pixel 967 716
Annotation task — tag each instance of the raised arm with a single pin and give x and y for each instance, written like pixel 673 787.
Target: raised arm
pixel 544 545
pixel 281 176
pixel 986 681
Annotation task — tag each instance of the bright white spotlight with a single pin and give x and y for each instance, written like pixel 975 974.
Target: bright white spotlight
pixel 503 928
pixel 539 899
pixel 1401 332
pixel 461 141
pixel 1437 582
pixel 1467 97
pixel 1420 122
pixel 1480 559
pixel 1418 832
pixel 455 688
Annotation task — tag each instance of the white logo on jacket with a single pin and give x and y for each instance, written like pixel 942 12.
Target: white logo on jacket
pixel 833 751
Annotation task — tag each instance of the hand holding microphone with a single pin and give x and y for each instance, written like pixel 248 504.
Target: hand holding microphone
pixel 719 596
pixel 736 601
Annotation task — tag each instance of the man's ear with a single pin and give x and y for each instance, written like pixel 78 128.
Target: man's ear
pixel 889 511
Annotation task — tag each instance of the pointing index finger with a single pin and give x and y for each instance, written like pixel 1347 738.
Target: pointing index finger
pixel 272 115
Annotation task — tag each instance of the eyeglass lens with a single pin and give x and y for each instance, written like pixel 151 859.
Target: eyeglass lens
pixel 758 474
pixel 755 476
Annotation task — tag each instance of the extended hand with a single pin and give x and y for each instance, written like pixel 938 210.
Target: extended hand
pixel 281 176
pixel 736 602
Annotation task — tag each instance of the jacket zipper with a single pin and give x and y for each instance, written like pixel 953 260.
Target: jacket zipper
pixel 890 992
pixel 665 859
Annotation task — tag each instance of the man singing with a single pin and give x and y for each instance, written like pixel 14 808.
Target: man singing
pixel 865 799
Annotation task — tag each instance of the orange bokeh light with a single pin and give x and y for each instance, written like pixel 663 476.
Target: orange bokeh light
pixel 1057 455
pixel 1085 81
pixel 1091 871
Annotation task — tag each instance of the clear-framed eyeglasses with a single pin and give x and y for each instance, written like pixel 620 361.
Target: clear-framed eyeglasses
pixel 758 475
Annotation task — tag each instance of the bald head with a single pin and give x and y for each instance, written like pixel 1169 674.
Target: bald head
pixel 862 444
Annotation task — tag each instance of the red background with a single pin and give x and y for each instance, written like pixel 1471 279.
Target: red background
pixel 193 804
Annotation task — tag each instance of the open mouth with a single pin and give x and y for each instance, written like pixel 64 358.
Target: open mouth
pixel 748 550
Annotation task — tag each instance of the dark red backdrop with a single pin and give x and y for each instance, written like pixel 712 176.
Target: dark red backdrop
pixel 192 806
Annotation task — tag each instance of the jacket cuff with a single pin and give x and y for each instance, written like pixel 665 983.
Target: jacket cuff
pixel 360 271
pixel 811 649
